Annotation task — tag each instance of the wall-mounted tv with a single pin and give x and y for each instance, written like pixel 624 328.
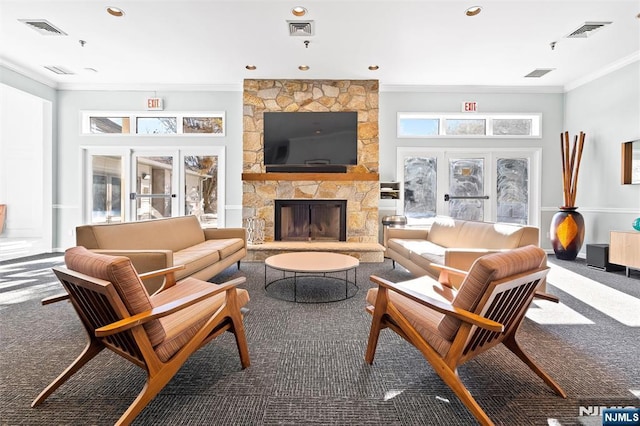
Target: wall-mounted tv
pixel 310 141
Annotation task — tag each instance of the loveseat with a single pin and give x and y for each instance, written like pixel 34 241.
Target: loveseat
pixel 454 243
pixel 161 243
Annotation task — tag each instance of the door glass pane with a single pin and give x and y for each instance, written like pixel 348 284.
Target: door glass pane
pixel 153 187
pixel 512 190
pixel 201 183
pixel 106 189
pixel 465 126
pixel 420 187
pixel 466 179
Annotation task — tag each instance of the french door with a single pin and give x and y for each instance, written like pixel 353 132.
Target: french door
pixel 483 185
pixel 154 184
pixel 139 184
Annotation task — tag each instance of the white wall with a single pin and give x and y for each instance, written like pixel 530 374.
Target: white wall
pixel 69 178
pixel 550 105
pixel 608 111
pixel 25 171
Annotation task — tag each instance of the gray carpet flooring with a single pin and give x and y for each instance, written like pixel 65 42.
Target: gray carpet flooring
pixel 307 364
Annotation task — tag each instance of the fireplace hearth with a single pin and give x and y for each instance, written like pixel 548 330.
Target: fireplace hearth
pixel 310 220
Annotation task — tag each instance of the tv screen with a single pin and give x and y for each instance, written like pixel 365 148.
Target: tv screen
pixel 310 138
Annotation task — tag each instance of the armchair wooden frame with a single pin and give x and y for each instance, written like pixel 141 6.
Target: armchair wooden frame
pixel 109 325
pixel 495 320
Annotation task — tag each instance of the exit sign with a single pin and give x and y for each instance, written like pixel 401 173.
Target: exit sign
pixel 154 104
pixel 470 107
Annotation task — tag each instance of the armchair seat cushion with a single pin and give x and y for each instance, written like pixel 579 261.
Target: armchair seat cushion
pixel 181 326
pixel 423 319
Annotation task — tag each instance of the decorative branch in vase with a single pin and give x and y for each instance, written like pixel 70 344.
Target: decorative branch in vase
pixel 570 167
pixel 567 225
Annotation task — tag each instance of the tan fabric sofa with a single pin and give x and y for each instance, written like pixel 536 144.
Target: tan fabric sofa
pixel 454 243
pixel 160 243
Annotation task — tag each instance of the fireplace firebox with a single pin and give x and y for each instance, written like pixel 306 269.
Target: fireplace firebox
pixel 310 220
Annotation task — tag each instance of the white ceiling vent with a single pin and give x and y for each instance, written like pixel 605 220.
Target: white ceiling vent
pixel 43 26
pixel 59 69
pixel 539 72
pixel 587 29
pixel 300 28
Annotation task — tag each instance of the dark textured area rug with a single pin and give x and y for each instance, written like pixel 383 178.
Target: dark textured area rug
pixel 308 364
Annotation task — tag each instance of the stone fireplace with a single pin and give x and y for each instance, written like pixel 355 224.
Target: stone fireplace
pixel 310 220
pixel 359 186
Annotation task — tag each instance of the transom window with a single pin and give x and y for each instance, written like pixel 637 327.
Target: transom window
pixel 467 125
pixel 153 123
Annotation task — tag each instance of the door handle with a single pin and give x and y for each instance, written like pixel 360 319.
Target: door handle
pixel 133 196
pixel 448 197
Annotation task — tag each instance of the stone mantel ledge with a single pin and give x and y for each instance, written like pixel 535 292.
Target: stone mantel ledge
pixel 311 176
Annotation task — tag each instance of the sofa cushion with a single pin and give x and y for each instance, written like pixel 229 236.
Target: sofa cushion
pixel 226 247
pixel 491 267
pixel 444 231
pixel 425 253
pixel 119 271
pixel 184 324
pixel 489 235
pixel 404 247
pixel 196 258
pixel 175 233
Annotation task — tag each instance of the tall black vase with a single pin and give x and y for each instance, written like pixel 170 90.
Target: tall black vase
pixel 567 233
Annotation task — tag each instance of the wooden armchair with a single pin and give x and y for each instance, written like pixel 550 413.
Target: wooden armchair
pixel 451 327
pixel 157 333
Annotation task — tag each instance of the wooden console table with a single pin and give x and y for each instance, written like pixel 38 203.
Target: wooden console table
pixel 624 249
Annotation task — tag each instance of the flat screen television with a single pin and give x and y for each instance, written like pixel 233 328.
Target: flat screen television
pixel 310 141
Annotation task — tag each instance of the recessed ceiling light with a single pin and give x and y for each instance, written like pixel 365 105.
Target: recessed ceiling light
pixel 303 67
pixel 473 11
pixel 115 11
pixel 299 11
pixel 90 69
pixel 251 67
pixel 374 67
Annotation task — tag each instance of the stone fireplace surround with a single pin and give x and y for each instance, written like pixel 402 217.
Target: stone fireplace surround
pixel 359 186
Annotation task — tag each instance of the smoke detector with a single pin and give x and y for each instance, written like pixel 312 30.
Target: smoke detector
pixel 587 29
pixel 43 26
pixel 300 28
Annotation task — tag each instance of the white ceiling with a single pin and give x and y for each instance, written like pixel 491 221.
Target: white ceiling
pixel 199 43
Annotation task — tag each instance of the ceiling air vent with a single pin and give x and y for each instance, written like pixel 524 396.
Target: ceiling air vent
pixel 539 72
pixel 58 69
pixel 43 26
pixel 587 29
pixel 300 28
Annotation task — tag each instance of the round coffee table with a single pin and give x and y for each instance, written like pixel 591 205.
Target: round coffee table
pixel 315 264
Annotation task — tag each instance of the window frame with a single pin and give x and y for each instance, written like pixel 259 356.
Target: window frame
pixel 86 116
pixel 536 124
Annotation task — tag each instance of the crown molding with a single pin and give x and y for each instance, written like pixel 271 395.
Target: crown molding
pixel 150 87
pixel 635 56
pixel 37 77
pixel 469 89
